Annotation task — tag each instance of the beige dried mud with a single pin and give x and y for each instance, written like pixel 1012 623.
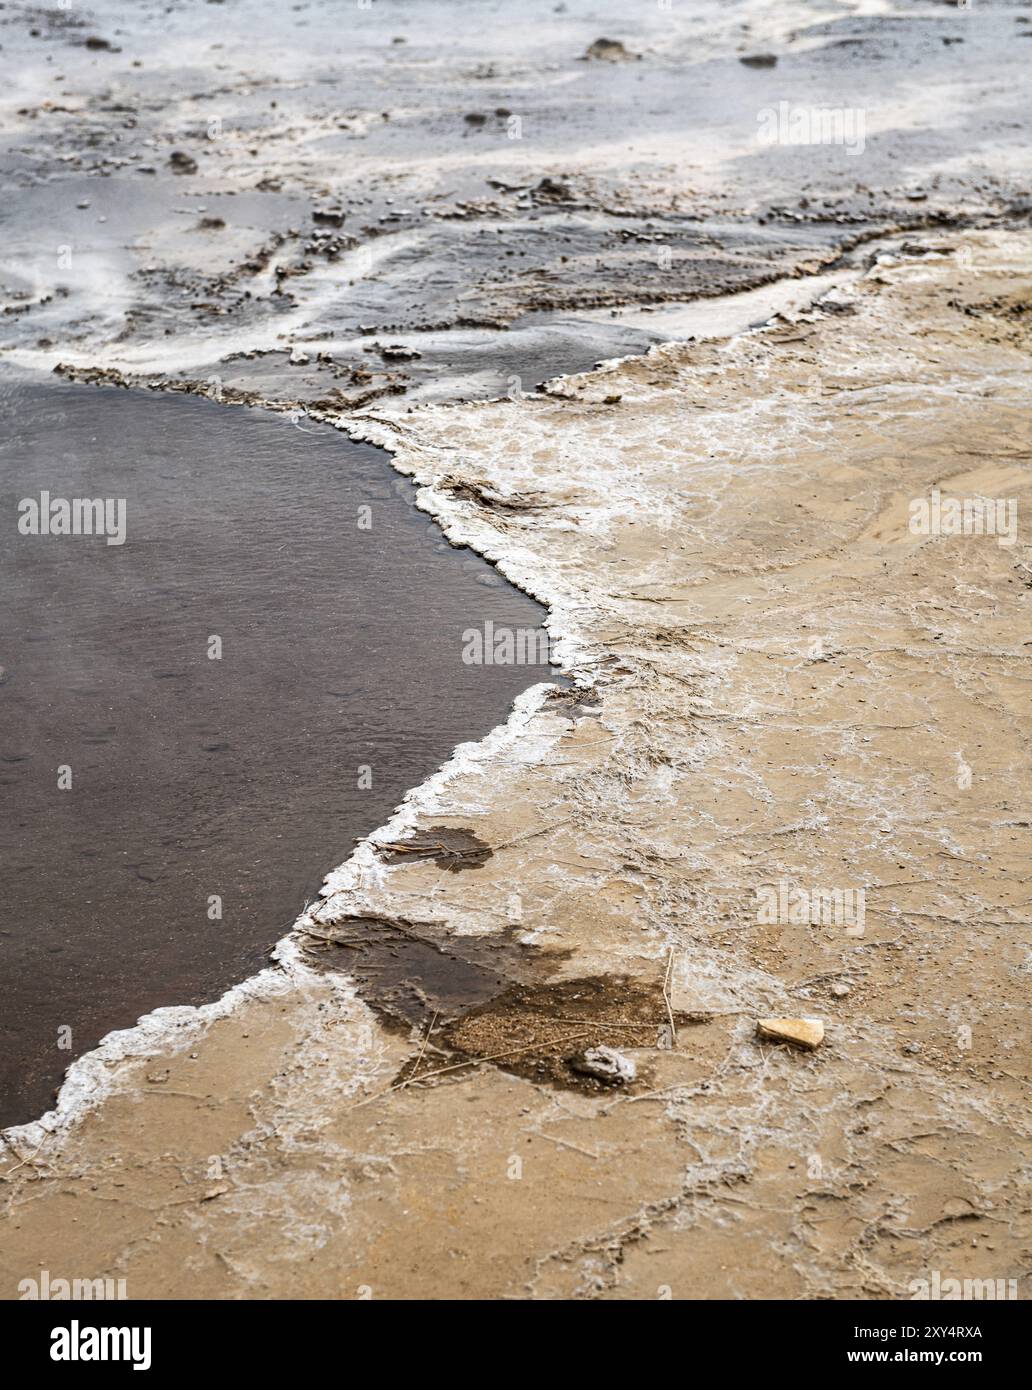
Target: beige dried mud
pixel 781 683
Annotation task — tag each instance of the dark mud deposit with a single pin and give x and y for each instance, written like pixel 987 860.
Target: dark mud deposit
pixel 475 1000
pixel 542 1032
pixel 244 778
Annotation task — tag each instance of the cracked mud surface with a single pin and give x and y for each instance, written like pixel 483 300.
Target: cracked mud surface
pixel 775 680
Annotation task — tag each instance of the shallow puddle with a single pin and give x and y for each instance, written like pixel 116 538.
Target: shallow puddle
pixel 196 724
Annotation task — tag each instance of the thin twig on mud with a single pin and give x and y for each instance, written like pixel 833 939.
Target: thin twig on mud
pixel 425 1041
pixel 5 1176
pixel 666 998
pixel 471 1062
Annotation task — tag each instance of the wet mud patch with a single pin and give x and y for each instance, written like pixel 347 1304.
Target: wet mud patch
pixel 582 702
pixel 409 973
pixel 541 1032
pixel 484 495
pixel 452 849
pixel 485 1001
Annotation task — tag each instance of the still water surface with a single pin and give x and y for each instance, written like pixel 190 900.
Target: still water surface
pixel 242 778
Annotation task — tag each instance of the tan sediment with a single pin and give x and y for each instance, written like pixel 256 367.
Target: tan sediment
pixel 780 684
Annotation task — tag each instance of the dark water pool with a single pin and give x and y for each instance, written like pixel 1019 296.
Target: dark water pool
pixel 340 685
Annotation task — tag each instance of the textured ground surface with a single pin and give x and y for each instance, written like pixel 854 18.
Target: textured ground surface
pixel 404 220
pixel 777 681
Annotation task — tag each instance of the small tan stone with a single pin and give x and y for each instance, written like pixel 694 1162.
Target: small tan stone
pixel 804 1032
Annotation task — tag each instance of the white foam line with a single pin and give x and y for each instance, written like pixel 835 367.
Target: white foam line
pixel 209 347
pixel 101 1073
pixel 729 315
pixel 96 1075
pixel 356 887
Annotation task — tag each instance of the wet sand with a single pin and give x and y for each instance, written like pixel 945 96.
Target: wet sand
pixel 777 682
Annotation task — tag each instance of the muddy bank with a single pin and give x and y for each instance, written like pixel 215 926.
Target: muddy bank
pixel 444 200
pixel 201 713
pixel 781 682
pixel 782 691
